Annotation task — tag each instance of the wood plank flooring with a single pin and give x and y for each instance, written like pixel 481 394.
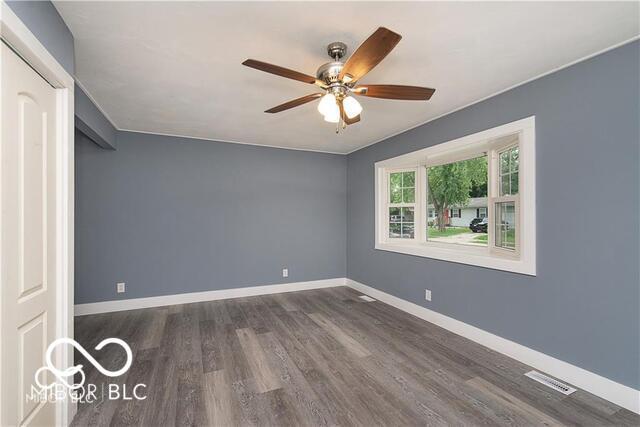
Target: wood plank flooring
pixel 315 358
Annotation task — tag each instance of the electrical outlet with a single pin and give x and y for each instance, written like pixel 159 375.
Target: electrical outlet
pixel 427 294
pixel 120 287
pixel 285 272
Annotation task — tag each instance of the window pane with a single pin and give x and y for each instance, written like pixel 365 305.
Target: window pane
pixel 460 190
pixel 409 179
pixel 396 180
pixel 506 225
pixel 407 230
pixel 505 185
pixel 514 183
pixel 401 223
pixel 396 195
pixel 407 214
pixel 504 162
pixel 408 195
pixel 395 188
pixel 395 230
pixel 394 215
pixel 509 164
pixel 514 159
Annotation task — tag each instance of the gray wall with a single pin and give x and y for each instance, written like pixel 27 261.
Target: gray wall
pixel 92 123
pixel 171 215
pixel 44 21
pixel 583 305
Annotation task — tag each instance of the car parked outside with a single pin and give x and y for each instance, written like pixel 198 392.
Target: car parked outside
pixel 479 225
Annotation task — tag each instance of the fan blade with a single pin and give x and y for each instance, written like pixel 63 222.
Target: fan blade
pixel 408 93
pixel 279 71
pixel 294 103
pixel 369 54
pixel 344 116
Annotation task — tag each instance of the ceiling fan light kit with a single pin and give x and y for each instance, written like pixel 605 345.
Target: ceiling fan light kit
pixel 328 104
pixel 352 107
pixel 339 80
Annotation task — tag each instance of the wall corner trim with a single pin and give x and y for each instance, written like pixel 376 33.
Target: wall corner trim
pixel 87 131
pixel 605 388
pixel 191 297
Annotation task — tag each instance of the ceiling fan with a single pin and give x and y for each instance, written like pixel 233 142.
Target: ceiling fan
pixel 339 80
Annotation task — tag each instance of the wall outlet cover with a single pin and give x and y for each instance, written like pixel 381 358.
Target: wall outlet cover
pixel 120 287
pixel 427 294
pixel 285 272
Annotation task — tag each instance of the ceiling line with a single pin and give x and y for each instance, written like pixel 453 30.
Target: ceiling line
pixel 229 141
pixel 584 58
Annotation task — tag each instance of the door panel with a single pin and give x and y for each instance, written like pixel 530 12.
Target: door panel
pixel 28 233
pixel 32 164
pixel 32 338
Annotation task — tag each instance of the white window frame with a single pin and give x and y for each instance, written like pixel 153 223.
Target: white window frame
pixel 491 141
pixel 494 197
pixel 418 198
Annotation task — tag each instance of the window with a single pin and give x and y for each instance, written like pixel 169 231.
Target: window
pixel 402 204
pixel 505 205
pixel 471 200
pixel 453 188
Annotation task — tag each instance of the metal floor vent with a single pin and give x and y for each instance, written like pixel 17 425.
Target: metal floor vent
pixel 550 382
pixel 367 298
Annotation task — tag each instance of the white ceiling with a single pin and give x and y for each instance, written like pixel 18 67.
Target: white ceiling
pixel 175 68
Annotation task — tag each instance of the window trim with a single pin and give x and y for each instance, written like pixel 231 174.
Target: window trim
pixel 417 221
pixel 523 260
pixel 494 197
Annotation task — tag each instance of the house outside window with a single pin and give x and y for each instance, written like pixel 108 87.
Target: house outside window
pixel 471 200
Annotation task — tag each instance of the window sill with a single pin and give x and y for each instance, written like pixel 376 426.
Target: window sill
pixel 461 254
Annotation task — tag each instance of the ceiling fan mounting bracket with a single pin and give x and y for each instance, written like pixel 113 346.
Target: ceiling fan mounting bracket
pixel 336 50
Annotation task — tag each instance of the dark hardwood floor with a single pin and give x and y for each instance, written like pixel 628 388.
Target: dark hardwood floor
pixel 322 357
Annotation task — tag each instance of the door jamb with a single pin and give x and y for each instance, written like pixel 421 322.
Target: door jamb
pixel 16 33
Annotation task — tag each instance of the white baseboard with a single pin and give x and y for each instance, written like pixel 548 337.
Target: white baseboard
pixel 605 388
pixel 136 303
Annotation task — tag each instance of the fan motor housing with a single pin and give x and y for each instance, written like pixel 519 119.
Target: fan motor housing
pixel 330 72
